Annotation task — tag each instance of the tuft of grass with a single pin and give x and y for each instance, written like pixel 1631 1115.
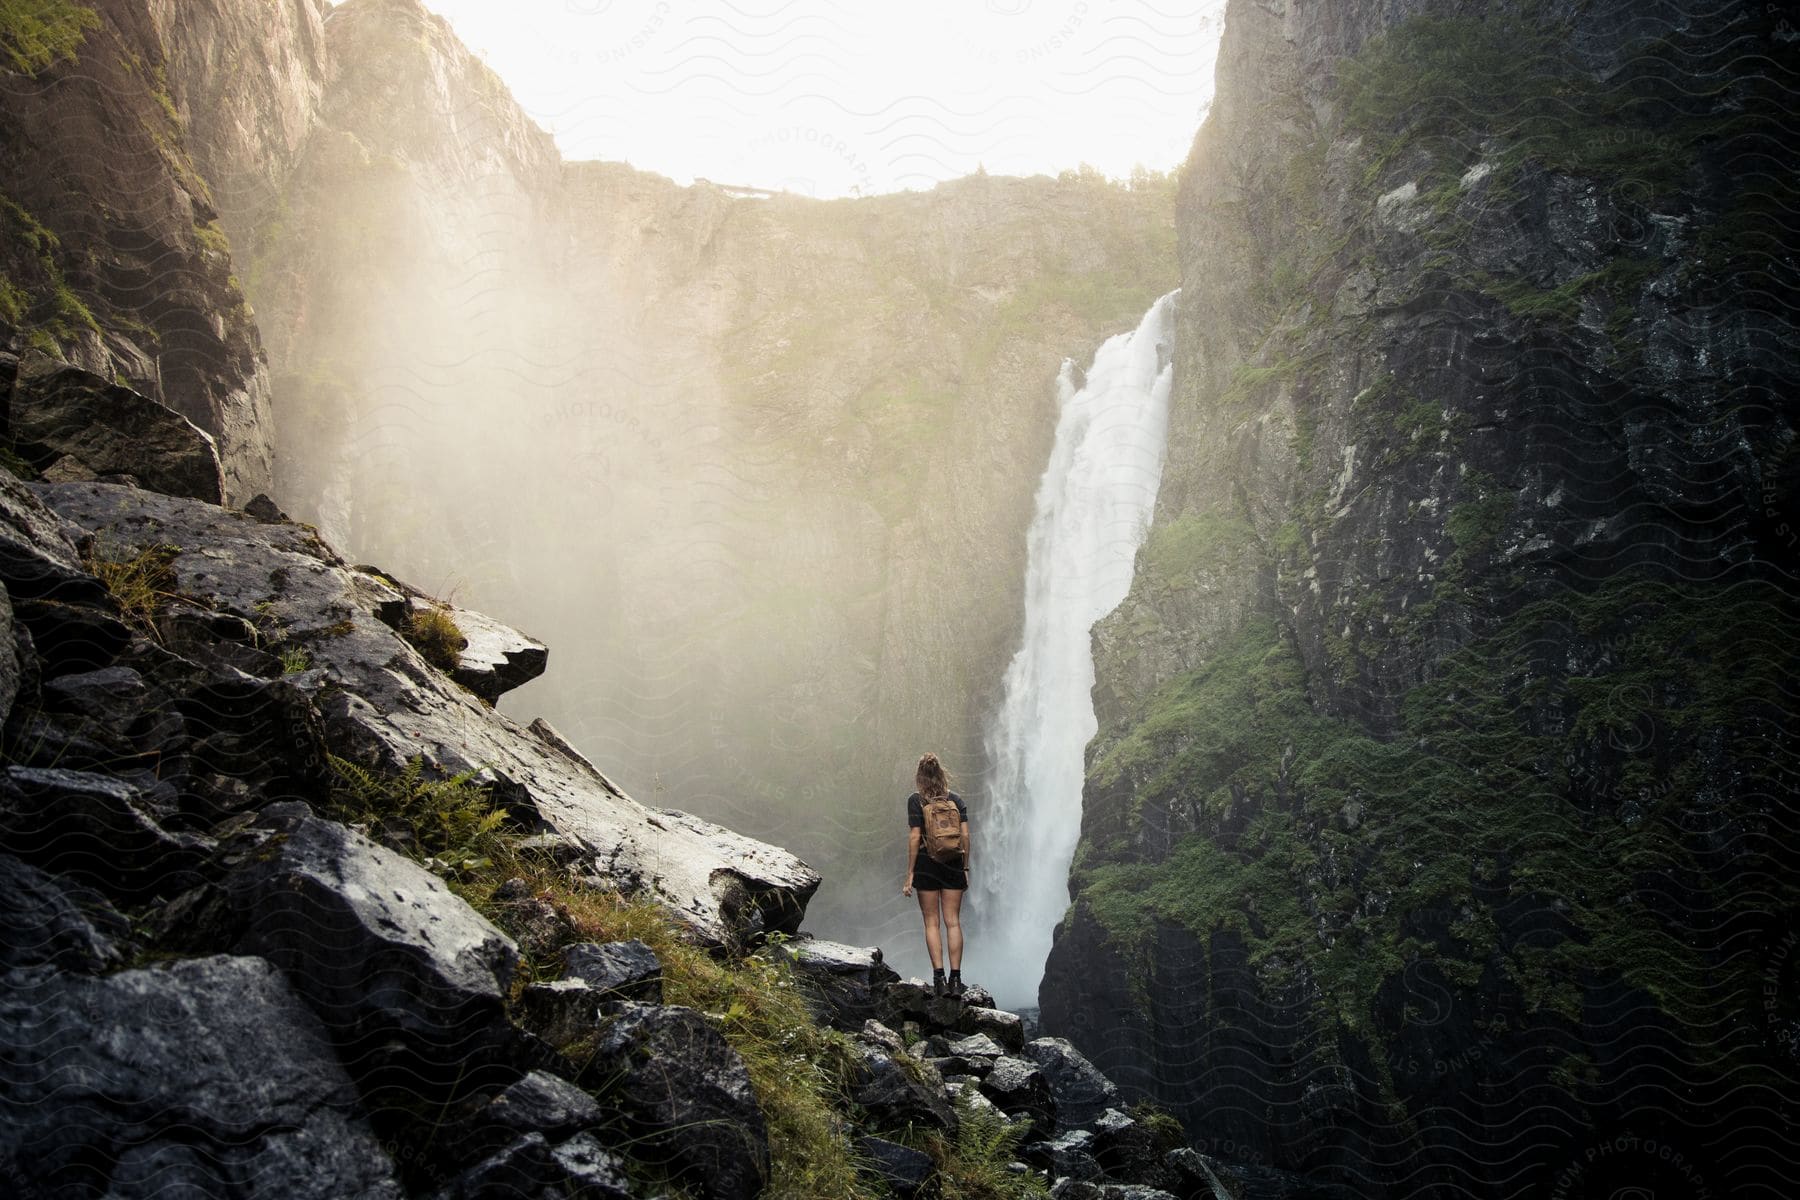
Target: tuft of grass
pixel 143 583
pixel 449 824
pixel 295 659
pixel 434 634
pixel 37 34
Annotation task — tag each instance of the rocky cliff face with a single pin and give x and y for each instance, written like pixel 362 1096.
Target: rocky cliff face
pixel 1436 830
pixel 112 250
pixel 761 467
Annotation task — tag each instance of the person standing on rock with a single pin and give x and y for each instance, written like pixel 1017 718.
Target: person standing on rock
pixel 937 866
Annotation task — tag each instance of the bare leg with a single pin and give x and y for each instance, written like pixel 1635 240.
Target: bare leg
pixel 928 905
pixel 952 906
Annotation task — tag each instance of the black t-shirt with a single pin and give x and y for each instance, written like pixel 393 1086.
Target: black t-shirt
pixel 915 810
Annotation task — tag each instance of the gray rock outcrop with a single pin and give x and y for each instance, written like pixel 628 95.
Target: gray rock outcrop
pixel 206 1077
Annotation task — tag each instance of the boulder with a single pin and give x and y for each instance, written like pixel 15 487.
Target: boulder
pixel 1006 1028
pixel 1127 1151
pixel 70 638
pixel 383 704
pixel 896 1094
pixel 1202 1176
pixel 977 1045
pixel 538 1103
pixel 563 1011
pixel 902 1169
pixel 1075 1188
pixel 111 697
pixel 407 976
pixel 206 1078
pixel 1018 1088
pixel 843 984
pixel 873 1033
pixel 47 920
pixel 682 1090
pixel 912 1000
pixel 531 1166
pixel 98 829
pixel 617 970
pixel 1069 1155
pixel 38 554
pixel 1081 1093
pixel 65 413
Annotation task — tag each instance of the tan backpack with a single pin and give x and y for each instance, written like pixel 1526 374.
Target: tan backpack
pixel 943 831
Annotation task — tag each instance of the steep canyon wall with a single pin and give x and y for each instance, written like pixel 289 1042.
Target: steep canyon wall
pixel 1437 837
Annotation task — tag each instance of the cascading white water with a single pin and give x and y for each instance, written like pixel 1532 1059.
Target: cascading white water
pixel 1093 509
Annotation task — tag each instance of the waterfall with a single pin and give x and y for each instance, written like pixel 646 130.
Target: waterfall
pixel 1093 508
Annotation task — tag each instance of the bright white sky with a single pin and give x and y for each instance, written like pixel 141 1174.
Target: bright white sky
pixel 830 98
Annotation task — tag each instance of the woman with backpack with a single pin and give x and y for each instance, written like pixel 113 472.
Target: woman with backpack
pixel 937 866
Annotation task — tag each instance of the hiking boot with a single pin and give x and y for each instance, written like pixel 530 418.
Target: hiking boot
pixel 956 983
pixel 937 983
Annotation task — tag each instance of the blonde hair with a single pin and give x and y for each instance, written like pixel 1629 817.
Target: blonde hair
pixel 931 779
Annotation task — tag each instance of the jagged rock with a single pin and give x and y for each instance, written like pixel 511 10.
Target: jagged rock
pixel 265 510
pixel 1006 1028
pixel 874 1033
pixel 1213 1179
pixel 111 697
pixel 616 970
pixel 562 1011
pixel 1070 1155
pixel 842 983
pixel 72 638
pixel 98 829
pixel 977 1045
pixel 1018 1088
pixel 382 704
pixel 538 1102
pixel 1076 1188
pixel 52 921
pixel 204 1078
pixel 407 976
pixel 682 1089
pixel 1127 1150
pixel 912 1000
pixel 1081 1093
pixel 531 1166
pixel 495 658
pixel 110 430
pixel 895 1095
pixel 38 555
pixel 904 1170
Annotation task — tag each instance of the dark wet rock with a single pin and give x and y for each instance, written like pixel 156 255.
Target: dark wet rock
pixel 626 970
pixel 873 1033
pixel 112 697
pixel 562 1011
pixel 1077 1188
pixel 265 510
pixel 1081 1093
pixel 47 920
pixel 98 829
pixel 538 1102
pixel 1070 1155
pixel 842 983
pixel 407 976
pixel 1018 1088
pixel 38 550
pixel 912 1000
pixel 72 638
pixel 1006 1028
pixel 590 1171
pixel 1127 1150
pixel 66 413
pixel 12 670
pixel 896 1094
pixel 684 1091
pixel 530 1166
pixel 205 1078
pixel 382 704
pixel 901 1168
pixel 1206 1177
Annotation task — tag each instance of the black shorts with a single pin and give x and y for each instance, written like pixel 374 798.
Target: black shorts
pixel 930 875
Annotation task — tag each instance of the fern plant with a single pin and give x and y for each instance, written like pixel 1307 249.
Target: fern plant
pixel 448 824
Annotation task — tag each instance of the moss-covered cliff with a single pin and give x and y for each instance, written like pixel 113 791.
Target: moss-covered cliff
pixel 112 251
pixel 1439 825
